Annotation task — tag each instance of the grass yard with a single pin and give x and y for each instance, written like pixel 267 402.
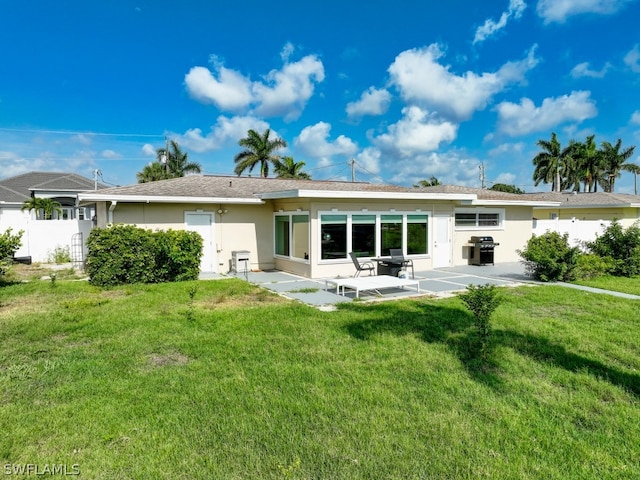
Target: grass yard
pixel 617 284
pixel 220 379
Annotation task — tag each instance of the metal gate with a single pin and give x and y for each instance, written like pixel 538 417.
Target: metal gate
pixel 77 250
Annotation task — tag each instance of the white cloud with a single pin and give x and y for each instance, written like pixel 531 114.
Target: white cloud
pixel 110 154
pixel 225 130
pixel 507 149
pixel 632 59
pixel 584 70
pixel 370 159
pixel 523 118
pixel 372 102
pixel 450 168
pixel 423 80
pixel 229 91
pixel 287 51
pixel 559 10
pixel 287 90
pixel 149 150
pixel 313 141
pixel 417 132
pixel 635 117
pixel 515 10
pixel 82 138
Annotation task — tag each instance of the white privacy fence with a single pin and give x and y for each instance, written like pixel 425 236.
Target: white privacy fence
pixel 579 230
pixel 42 237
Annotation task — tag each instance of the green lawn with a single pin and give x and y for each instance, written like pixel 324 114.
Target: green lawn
pixel 617 284
pixel 142 382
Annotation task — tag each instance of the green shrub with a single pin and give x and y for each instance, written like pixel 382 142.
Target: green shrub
pixel 591 266
pixel 124 254
pixel 9 245
pixel 482 300
pixel 621 247
pixel 59 254
pixel 549 257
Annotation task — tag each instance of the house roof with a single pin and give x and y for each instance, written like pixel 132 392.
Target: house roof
pixel 232 189
pixel 491 197
pixel 19 188
pixel 588 199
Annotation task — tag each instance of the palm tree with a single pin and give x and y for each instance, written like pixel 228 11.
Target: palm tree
pixel 152 172
pixel 613 160
pixel 287 167
pixel 258 150
pixel 635 169
pixel 589 163
pixel 549 162
pixel 44 207
pixel 432 182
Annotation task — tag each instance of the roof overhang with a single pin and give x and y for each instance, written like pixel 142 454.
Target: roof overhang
pixel 367 195
pixel 512 203
pixel 96 197
pixel 608 205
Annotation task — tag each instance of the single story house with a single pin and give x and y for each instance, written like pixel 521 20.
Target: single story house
pixel 583 215
pixel 309 227
pixel 67 229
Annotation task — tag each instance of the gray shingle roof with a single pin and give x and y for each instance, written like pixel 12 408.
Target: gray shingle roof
pixel 585 199
pixel 239 187
pixel 18 189
pixel 482 193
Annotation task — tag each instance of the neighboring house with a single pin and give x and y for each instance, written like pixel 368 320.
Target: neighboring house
pixel 583 215
pixel 67 229
pixel 309 227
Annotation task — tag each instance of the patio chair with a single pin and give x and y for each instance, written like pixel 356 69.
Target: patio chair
pixel 361 267
pixel 398 257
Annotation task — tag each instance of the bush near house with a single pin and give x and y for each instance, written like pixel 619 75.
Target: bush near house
pixel 9 245
pixel 124 254
pixel 550 258
pixel 620 248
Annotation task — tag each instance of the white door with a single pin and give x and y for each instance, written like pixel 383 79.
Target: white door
pixel 203 224
pixel 441 241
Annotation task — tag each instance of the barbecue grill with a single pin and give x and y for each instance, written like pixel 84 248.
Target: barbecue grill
pixel 482 250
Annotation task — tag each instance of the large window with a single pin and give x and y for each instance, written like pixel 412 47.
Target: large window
pixel 333 236
pixel 479 219
pixel 292 236
pixel 372 234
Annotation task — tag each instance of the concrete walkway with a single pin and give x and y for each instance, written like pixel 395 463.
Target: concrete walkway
pixel 442 282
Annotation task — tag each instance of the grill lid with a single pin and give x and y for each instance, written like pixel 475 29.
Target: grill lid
pixel 485 239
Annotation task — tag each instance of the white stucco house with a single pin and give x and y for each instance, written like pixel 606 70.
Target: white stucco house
pixel 309 227
pixel 67 229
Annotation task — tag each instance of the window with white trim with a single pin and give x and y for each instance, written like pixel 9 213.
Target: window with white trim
pixel 479 219
pixel 292 235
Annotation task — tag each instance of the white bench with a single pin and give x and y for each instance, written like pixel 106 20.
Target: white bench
pixel 375 282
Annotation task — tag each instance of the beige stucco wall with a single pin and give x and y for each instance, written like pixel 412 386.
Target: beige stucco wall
pixel 516 231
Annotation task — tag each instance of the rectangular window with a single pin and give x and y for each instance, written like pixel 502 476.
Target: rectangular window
pixel 333 232
pixel 282 235
pixel 363 235
pixel 417 234
pixel 292 236
pixel 390 233
pixel 485 218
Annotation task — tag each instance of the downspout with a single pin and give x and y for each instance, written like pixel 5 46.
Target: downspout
pixel 112 207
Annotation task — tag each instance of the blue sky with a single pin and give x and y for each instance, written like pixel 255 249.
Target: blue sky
pixel 407 89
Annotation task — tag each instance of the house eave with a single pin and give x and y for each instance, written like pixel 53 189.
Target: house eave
pixel 520 203
pixel 360 195
pixel 92 198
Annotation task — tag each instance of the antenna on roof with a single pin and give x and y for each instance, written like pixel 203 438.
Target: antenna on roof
pixel 353 170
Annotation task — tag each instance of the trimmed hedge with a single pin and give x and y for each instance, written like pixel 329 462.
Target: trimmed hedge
pixel 124 254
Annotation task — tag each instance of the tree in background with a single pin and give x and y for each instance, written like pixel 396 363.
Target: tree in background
pixel 503 187
pixel 432 182
pixel 258 149
pixel 171 162
pixel 549 162
pixel 287 167
pixel 44 207
pixel 614 162
pixel 635 169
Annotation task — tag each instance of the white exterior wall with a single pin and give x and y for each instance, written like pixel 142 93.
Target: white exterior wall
pixel 579 230
pixel 41 237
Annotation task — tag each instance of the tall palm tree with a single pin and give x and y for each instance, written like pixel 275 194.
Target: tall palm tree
pixel 613 162
pixel 152 172
pixel 549 162
pixel 44 207
pixel 171 162
pixel 635 169
pixel 258 149
pixel 432 182
pixel 589 163
pixel 287 167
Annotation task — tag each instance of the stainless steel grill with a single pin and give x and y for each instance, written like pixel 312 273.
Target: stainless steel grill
pixel 482 250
